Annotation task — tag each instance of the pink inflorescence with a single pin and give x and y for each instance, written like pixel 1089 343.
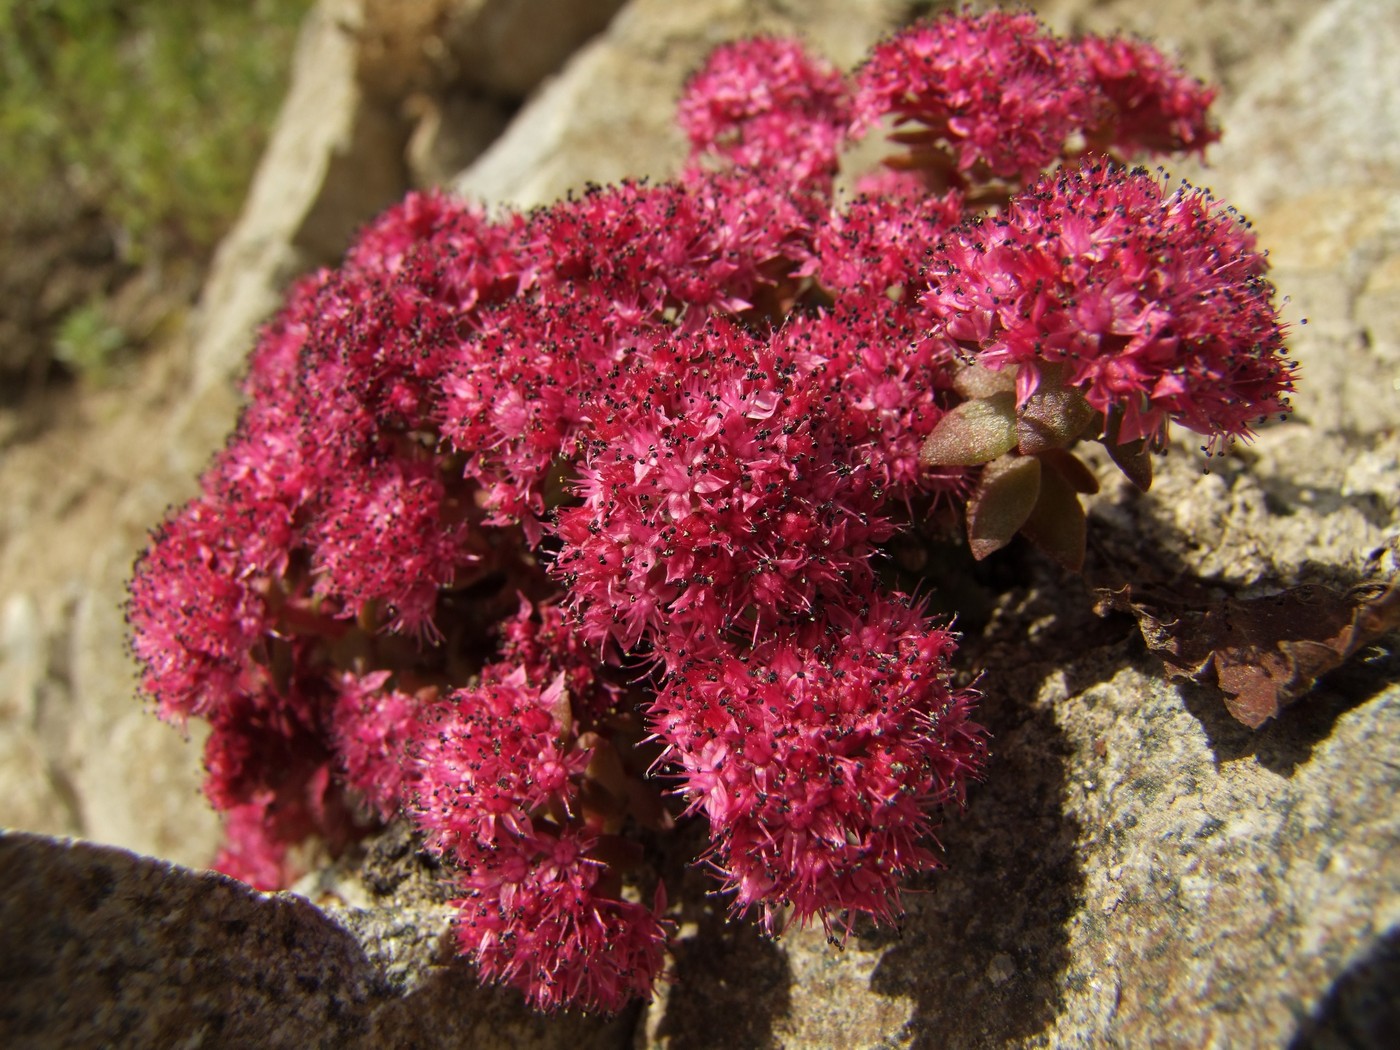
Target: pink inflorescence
pixel 496 775
pixel 539 919
pixel 998 96
pixel 1152 106
pixel 1152 302
pixel 716 501
pixel 998 91
pixel 766 103
pixel 817 756
pixel 545 532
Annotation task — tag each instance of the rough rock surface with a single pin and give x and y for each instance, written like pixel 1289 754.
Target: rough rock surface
pixel 1137 869
pixel 104 948
pixel 608 115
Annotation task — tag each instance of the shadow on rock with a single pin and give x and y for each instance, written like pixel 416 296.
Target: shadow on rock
pixel 105 948
pixel 731 984
pixel 1361 1010
pixel 1287 742
pixel 985 944
pixel 449 1007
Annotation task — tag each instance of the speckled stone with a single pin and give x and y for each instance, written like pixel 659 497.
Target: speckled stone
pixel 103 948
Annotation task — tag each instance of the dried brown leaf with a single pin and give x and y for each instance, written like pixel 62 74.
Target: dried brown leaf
pixel 1263 653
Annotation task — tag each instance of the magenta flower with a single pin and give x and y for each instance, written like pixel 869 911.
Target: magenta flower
pixel 477 260
pixel 1154 304
pixel 514 396
pixel 710 243
pixel 539 918
pixel 268 767
pixel 545 642
pixel 497 791
pixel 894 379
pixel 997 97
pixel 876 245
pixel 996 94
pixel 713 499
pixel 390 538
pixel 252 851
pixel 767 105
pixel 491 760
pixel 1154 107
pixel 196 614
pixel 818 756
pixel 372 728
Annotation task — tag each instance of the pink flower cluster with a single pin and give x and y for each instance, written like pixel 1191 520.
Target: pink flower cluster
pixel 529 518
pixel 817 756
pixel 1152 303
pixel 764 102
pixel 997 96
pixel 715 499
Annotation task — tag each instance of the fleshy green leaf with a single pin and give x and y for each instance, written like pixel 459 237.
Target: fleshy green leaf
pixel 1001 503
pixel 973 433
pixel 1053 417
pixel 977 381
pixel 1057 524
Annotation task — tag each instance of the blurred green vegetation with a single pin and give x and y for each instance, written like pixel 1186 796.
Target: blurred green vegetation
pixel 88 343
pixel 153 112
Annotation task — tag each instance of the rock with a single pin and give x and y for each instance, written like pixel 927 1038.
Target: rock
pixel 449 132
pixel 23 763
pixel 608 115
pixel 457 69
pixel 1137 868
pixel 83 756
pixel 1324 115
pixel 506 48
pixel 1327 129
pixel 104 948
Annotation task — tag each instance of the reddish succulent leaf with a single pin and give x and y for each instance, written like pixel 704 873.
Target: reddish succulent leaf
pixel 1057 524
pixel 1072 469
pixel 1052 417
pixel 1134 461
pixel 1263 653
pixel 1132 457
pixel 973 433
pixel 1001 503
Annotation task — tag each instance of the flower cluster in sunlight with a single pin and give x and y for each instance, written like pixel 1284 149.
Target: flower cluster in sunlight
pixel 550 533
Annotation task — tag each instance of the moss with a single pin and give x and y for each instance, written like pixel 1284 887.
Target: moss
pixel 153 112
